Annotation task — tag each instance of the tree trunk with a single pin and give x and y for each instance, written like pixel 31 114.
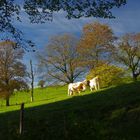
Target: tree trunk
pixel 21 118
pixel 32 82
pixel 7 101
pixel 32 95
pixel 135 77
pixel 71 80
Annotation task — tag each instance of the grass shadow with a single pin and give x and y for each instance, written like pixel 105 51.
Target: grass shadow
pixel 111 114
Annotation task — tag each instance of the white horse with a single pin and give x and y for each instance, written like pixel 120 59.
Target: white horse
pixel 94 83
pixel 77 87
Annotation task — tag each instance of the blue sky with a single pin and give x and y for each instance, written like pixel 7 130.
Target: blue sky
pixel 127 20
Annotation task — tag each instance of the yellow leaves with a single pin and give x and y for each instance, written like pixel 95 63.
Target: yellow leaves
pixel 109 74
pixel 8 43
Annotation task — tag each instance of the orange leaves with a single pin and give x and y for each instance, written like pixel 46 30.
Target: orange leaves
pixel 97 34
pixel 96 43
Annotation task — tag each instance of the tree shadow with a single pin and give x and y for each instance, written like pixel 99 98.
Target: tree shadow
pixel 106 114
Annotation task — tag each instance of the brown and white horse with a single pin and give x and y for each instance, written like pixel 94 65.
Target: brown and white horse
pixel 77 87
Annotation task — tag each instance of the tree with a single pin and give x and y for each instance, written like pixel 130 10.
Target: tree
pixel 74 9
pixel 127 52
pixel 39 11
pixel 41 83
pixel 11 68
pixel 108 74
pixel 31 75
pixel 60 58
pixel 19 85
pixel 96 44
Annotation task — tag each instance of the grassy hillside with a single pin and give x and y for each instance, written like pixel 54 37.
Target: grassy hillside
pixel 110 114
pixel 41 96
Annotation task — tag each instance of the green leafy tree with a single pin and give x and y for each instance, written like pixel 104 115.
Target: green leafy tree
pixel 41 83
pixel 108 74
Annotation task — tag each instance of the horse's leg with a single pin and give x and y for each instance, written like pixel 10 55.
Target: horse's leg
pixel 68 91
pixel 71 92
pixel 98 85
pixel 91 88
pixel 96 88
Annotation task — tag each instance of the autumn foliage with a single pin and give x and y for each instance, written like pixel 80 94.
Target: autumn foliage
pixel 128 53
pixel 96 43
pixel 12 70
pixel 108 74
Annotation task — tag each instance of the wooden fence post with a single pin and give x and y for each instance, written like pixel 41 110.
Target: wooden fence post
pixel 21 118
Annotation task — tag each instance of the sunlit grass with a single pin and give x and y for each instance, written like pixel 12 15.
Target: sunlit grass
pixel 109 114
pixel 41 96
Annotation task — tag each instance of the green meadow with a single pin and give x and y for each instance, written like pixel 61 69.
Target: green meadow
pixel 109 114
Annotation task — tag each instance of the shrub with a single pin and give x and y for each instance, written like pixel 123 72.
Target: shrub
pixel 108 74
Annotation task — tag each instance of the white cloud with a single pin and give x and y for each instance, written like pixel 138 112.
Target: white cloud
pixel 127 20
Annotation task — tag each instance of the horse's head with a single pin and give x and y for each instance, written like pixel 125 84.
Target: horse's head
pixel 86 82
